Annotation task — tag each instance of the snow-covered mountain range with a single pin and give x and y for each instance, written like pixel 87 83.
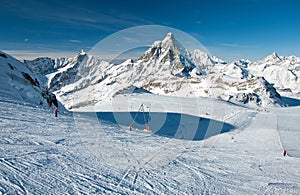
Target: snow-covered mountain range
pixel 283 71
pixel 167 68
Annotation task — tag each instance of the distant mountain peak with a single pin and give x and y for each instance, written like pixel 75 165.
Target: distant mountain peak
pixel 82 52
pixel 169 39
pixel 170 53
pixel 169 42
pixel 170 35
pixel 273 57
pixel 81 55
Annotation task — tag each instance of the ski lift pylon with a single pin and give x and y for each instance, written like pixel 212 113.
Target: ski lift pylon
pixel 142 109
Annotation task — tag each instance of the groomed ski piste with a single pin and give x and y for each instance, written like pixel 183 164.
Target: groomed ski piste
pixel 77 153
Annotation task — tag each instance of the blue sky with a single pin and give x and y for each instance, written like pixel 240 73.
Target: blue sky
pixel 231 29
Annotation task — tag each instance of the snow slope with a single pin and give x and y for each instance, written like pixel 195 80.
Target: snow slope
pixel 288 131
pixel 13 81
pixel 41 154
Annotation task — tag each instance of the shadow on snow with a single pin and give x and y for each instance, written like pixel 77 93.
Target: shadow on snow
pixel 291 101
pixel 173 125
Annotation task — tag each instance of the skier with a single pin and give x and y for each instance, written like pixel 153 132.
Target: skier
pixel 284 152
pixel 131 126
pixel 55 112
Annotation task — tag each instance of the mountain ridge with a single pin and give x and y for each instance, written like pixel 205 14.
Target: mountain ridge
pixel 167 68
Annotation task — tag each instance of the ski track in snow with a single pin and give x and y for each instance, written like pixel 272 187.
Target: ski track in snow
pixel 41 154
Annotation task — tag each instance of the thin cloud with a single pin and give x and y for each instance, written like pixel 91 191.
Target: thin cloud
pixel 234 45
pixel 132 40
pixel 105 19
pixel 75 41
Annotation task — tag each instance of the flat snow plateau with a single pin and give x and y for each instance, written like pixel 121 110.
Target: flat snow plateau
pixel 77 154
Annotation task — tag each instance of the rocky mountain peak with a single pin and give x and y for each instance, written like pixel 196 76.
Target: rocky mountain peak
pixel 170 53
pixel 170 36
pixel 82 52
pixel 273 57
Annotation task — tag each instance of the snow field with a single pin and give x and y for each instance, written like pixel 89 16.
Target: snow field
pixel 43 154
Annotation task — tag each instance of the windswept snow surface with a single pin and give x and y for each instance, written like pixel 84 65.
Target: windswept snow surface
pixel 41 154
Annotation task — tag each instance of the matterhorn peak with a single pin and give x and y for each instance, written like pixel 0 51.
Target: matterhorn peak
pixel 171 53
pixel 81 55
pixel 160 48
pixel 82 52
pixel 169 36
pixel 170 41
